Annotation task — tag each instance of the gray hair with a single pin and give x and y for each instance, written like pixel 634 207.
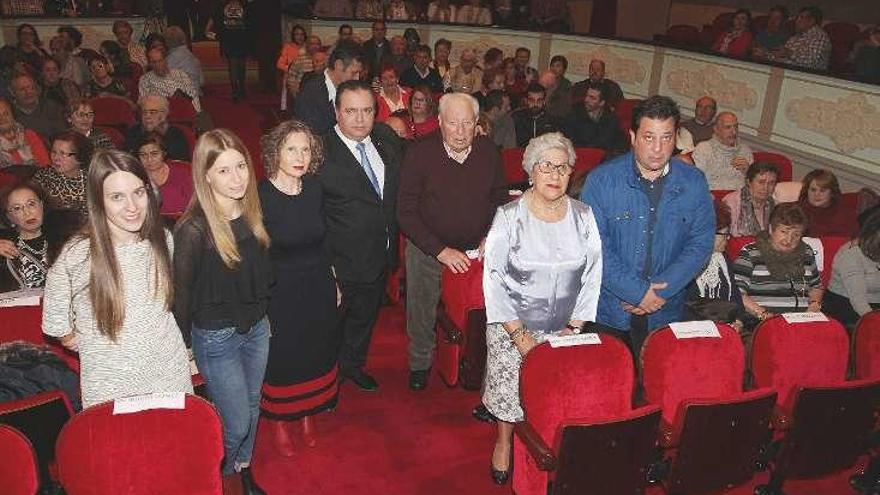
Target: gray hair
pixel 540 145
pixel 452 98
pixel 174 37
pixel 160 98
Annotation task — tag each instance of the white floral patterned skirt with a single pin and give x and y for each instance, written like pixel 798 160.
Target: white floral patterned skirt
pixel 503 361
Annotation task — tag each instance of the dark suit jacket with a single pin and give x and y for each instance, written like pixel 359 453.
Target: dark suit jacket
pixel 313 106
pixel 362 230
pixel 373 55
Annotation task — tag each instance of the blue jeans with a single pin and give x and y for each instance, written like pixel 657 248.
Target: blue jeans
pixel 233 366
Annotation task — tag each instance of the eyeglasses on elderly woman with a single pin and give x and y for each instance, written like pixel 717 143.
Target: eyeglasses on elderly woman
pixel 548 167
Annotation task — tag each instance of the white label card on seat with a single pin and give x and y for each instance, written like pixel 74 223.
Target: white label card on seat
pixel 25 297
pixel 137 403
pixel 573 340
pixel 804 317
pixel 694 329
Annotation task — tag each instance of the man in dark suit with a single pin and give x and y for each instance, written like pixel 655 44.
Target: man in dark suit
pixel 359 178
pixel 315 101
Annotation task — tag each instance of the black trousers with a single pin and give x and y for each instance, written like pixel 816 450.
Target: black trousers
pixel 237 73
pixel 360 308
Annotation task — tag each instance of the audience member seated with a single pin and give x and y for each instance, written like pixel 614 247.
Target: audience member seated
pixel 19 145
pixel 319 64
pixel 120 65
pixel 172 179
pixel 136 53
pixel 809 47
pixel 442 49
pixel 376 48
pixel 465 77
pixel 423 112
pixel 30 247
pixel 738 39
pixel 774 35
pixel 866 57
pixel 397 57
pixel 524 72
pixel 164 81
pixel 724 158
pixel 527 299
pixel 333 9
pixel 102 82
pixel 713 294
pixel 592 124
pixel 473 13
pixel 65 181
pixel 42 115
pixel 549 15
pixel 303 64
pixel 81 117
pixel 854 289
pixel 421 72
pixel 398 10
pixel 180 57
pixel 55 87
pixel 820 198
pixel 751 205
pixel 597 75
pixel 72 67
pixel 391 98
pixel 369 9
pixel 154 117
pixel 559 100
pixel 441 11
pixel 515 88
pixel 777 273
pixel 492 79
pixel 533 120
pixel 496 111
pixel 154 40
pixel 399 123
pixel 698 129
pixel 29 47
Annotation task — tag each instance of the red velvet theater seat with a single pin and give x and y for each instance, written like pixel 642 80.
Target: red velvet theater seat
pixel 26 323
pixel 112 112
pixel 579 401
pixel 587 159
pixel 40 418
pixel 866 346
pixel 512 159
pixel 624 111
pixel 461 328
pixel 181 111
pixel 782 162
pixel 158 451
pixel 19 467
pixel 712 429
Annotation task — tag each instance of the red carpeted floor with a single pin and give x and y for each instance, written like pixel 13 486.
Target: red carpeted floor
pixel 393 441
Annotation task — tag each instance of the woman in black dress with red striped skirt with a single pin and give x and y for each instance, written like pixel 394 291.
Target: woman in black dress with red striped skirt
pixel 301 377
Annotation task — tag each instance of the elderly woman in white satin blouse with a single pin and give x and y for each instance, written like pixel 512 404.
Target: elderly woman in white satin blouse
pixel 542 274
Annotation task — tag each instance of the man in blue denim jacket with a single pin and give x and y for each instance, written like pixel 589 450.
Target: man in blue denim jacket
pixel 657 224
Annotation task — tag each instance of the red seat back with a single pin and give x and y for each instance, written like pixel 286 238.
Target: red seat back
pixel 866 347
pixel 181 111
pixel 624 111
pixel 735 245
pixel 675 370
pixel 19 467
pixel 147 452
pixel 111 111
pixel 587 383
pixel 683 34
pixel 587 159
pixel 22 323
pixel 831 245
pixel 462 292
pixel 843 36
pixel 513 171
pixel 117 137
pixel 786 356
pixel 782 162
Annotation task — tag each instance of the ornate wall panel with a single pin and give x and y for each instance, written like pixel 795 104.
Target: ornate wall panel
pixel 627 63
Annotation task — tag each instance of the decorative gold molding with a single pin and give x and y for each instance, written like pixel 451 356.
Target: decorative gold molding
pixel 850 122
pixel 619 68
pixel 708 80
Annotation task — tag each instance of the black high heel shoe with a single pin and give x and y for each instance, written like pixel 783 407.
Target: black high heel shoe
pixel 500 477
pixel 248 484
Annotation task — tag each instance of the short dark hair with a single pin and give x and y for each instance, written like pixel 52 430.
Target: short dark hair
pixel 23 26
pixel 492 54
pixel 343 26
pixel 495 99
pixel 758 168
pixel 151 137
pixel 788 214
pixel 352 85
pixel 601 87
pixel 561 59
pixel 347 52
pixel 747 12
pixel 814 12
pixel 75 35
pixel 152 38
pixel 523 49
pixel 536 88
pixel 81 143
pixel 443 41
pixel 424 49
pixel 655 108
pixel 782 9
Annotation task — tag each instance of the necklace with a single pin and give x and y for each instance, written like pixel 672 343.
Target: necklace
pixel 290 190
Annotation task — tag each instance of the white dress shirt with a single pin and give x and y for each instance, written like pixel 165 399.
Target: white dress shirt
pixel 376 162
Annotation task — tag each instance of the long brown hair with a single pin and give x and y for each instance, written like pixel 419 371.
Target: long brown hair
pixel 106 290
pixel 209 146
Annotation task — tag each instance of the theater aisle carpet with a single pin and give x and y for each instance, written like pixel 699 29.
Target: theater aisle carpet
pixel 393 441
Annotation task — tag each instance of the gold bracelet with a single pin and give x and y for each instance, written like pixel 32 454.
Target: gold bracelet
pixel 516 333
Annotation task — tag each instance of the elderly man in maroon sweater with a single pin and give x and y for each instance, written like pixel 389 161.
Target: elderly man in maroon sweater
pixel 450 185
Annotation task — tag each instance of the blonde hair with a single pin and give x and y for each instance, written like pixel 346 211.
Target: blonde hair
pixel 210 146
